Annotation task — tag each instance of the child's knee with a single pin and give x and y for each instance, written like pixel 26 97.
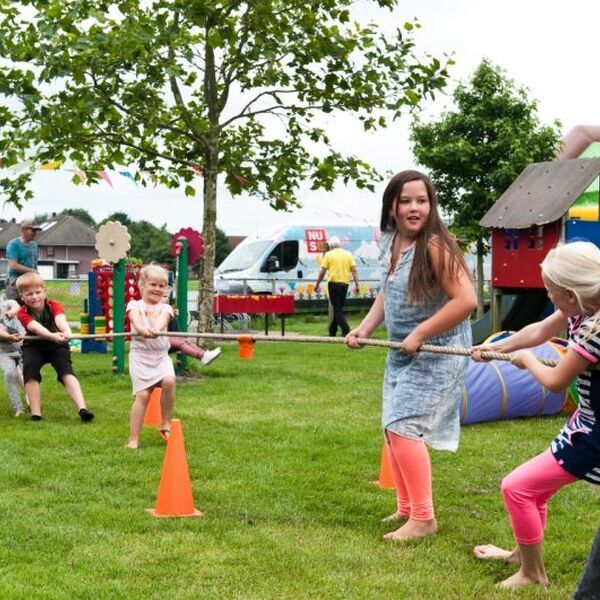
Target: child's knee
pixel 168 383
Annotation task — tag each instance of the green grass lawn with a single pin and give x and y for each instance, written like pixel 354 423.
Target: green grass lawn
pixel 282 452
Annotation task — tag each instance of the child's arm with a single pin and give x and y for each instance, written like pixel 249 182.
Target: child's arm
pixel 36 328
pixel 63 326
pixel 7 337
pixel 135 317
pixel 555 379
pixel 13 308
pixel 530 336
pixel 163 320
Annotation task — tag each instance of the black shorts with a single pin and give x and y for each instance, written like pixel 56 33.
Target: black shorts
pixel 35 356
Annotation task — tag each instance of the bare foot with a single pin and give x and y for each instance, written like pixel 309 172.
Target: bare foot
pixel 132 445
pixel 519 580
pixel 491 552
pixel 412 530
pixel 396 516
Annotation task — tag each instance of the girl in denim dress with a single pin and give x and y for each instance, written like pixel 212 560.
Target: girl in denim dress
pixel 426 296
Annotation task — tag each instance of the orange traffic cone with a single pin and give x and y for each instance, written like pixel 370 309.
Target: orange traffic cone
pixel 153 416
pixel 174 497
pixel 246 347
pixel 385 471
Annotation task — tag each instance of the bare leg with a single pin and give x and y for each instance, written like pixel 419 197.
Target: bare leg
pixel 136 418
pixel 532 571
pixel 74 390
pixel 32 389
pixel 491 552
pixel 167 400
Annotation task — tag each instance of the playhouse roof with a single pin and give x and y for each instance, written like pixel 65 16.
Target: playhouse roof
pixel 542 193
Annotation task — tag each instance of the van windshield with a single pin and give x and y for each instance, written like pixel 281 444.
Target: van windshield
pixel 244 256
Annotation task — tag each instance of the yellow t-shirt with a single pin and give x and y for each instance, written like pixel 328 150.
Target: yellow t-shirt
pixel 339 264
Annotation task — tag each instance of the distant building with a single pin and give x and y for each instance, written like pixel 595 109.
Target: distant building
pixel 234 240
pixel 67 246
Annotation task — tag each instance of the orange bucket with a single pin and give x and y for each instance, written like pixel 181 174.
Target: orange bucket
pixel 246 347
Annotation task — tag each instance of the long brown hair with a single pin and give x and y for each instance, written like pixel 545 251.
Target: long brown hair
pixel 423 282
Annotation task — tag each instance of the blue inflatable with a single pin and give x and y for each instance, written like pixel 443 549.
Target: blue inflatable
pixel 499 390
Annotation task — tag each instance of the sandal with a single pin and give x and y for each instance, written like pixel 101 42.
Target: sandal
pixel 164 434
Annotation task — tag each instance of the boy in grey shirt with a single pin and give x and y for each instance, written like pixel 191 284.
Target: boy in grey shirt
pixel 11 361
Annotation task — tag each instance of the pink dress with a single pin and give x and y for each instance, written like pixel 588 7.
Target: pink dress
pixel 149 360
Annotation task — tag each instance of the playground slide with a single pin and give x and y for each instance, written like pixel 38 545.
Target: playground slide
pixel 518 310
pixel 528 306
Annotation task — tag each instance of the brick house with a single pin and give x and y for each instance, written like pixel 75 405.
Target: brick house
pixel 66 244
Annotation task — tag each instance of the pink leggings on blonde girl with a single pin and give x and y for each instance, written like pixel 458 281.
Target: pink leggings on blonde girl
pixel 411 471
pixel 526 492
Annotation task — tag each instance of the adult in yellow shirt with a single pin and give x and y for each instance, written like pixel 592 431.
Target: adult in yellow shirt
pixel 339 264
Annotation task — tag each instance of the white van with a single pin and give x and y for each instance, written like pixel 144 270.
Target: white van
pixel 287 259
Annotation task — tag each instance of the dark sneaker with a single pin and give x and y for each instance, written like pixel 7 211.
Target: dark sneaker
pixel 85 415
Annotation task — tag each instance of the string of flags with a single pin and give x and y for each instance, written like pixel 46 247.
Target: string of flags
pixel 82 176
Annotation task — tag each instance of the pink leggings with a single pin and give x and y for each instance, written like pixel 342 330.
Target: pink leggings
pixel 411 472
pixel 183 346
pixel 526 493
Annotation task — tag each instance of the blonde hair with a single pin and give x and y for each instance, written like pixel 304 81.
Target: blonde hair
pixel 29 280
pixel 152 270
pixel 576 266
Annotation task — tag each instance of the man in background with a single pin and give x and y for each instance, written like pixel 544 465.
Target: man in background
pixel 22 253
pixel 339 264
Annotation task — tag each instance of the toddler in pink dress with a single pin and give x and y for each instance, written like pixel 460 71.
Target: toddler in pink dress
pixel 149 362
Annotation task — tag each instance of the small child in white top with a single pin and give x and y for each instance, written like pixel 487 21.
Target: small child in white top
pixel 11 358
pixel 149 362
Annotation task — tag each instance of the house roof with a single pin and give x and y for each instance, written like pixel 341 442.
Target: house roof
pixel 542 193
pixel 8 231
pixel 65 230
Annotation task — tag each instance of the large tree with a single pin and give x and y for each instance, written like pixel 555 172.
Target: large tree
pixel 187 88
pixel 475 151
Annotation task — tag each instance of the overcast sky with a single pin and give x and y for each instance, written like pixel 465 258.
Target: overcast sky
pixel 546 45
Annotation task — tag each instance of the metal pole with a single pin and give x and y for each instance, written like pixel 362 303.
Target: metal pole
pixel 119 316
pixel 182 294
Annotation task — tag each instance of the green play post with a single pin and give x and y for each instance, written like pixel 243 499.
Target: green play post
pixel 119 316
pixel 182 295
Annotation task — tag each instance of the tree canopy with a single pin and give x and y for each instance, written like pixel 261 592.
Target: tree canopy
pixel 474 152
pixel 188 88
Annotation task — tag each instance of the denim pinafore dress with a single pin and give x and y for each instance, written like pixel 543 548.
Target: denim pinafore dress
pixel 421 393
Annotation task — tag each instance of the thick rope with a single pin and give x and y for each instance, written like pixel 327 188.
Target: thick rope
pixel 306 339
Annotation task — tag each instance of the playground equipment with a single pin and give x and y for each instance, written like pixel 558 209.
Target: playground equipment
pixel 498 390
pixel 112 243
pixel 187 246
pixel 531 216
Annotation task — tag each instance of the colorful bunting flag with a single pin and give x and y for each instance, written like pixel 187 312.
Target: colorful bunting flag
pixel 105 176
pixel 128 175
pixel 51 166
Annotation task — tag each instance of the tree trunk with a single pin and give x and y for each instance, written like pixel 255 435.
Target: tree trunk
pixel 207 268
pixel 480 278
